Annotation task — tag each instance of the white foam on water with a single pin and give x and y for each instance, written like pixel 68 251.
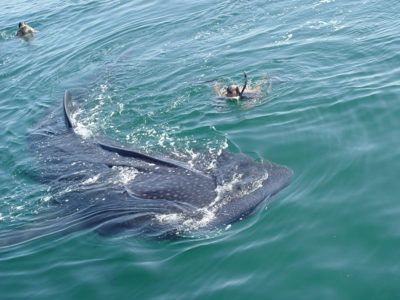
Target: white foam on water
pixel 191 224
pixel 215 153
pixel 149 138
pixel 46 198
pixel 285 39
pixel 103 88
pixel 193 156
pixel 169 218
pixel 205 215
pixel 91 180
pixel 335 24
pixel 125 175
pixel 120 107
pixel 85 122
pixel 325 2
pixel 81 129
pixel 164 138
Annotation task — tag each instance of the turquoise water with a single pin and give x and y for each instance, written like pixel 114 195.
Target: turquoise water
pixel 329 72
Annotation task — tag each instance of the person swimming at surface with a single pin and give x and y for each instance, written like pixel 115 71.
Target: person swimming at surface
pixel 235 92
pixel 25 30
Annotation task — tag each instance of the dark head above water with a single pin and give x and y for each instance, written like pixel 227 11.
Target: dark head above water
pixel 25 30
pixel 97 183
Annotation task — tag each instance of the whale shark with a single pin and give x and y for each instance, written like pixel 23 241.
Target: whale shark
pixel 100 184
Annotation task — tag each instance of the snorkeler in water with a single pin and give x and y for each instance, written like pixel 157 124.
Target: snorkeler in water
pixel 25 30
pixel 235 92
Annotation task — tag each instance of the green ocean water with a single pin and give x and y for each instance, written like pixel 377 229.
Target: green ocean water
pixel 329 72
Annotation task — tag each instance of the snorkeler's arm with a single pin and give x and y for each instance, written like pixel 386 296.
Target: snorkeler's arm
pixel 32 30
pixel 217 88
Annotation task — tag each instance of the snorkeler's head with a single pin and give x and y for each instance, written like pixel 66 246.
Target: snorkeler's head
pixel 232 91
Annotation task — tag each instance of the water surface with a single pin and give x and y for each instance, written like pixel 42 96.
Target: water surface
pixel 329 110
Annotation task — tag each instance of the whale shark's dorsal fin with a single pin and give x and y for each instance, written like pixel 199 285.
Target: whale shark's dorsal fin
pixel 68 108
